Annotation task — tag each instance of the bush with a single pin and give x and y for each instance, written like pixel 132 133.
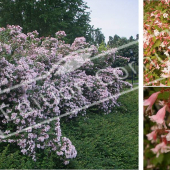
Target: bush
pixel 42 78
pixel 100 140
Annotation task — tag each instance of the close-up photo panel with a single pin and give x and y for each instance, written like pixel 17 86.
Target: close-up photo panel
pixel 70 79
pixel 156 81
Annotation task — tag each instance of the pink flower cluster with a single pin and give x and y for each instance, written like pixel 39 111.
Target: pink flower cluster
pixel 156 41
pixel 38 82
pixel 60 34
pixel 160 133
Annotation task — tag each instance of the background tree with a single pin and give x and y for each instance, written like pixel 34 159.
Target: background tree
pixel 96 36
pixel 47 16
pixel 102 47
pixel 116 41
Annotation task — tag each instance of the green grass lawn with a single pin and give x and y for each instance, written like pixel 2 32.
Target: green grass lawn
pixel 102 141
pixel 106 141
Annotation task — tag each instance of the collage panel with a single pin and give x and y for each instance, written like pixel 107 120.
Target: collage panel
pixel 69 84
pixel 156 128
pixel 156 43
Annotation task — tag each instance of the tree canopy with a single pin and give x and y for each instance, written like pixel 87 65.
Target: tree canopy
pixel 117 41
pixel 48 17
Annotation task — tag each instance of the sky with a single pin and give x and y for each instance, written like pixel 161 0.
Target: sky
pixel 115 17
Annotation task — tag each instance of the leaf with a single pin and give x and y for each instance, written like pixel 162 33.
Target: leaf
pixel 157 44
pixel 164 95
pixel 156 89
pixel 158 160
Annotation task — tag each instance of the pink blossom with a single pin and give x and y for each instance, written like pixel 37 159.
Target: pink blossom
pixel 60 34
pixel 38 146
pixel 158 147
pixel 41 138
pixel 151 100
pixel 165 15
pixel 152 135
pixel 66 162
pixel 24 151
pixel 7 132
pixel 59 153
pixel 156 32
pixel 13 116
pixel 159 117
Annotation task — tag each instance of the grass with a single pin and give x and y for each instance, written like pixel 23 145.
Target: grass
pixel 135 81
pixel 102 141
pixel 106 141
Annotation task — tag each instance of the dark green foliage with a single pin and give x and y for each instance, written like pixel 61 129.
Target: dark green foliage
pixel 47 16
pixel 107 141
pixel 96 36
pixel 102 141
pixel 130 52
pixel 116 41
pixel 131 72
pixel 12 158
pixel 50 16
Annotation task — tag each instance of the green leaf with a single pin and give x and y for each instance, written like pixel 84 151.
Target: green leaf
pixel 158 160
pixel 157 44
pixel 168 83
pixel 164 95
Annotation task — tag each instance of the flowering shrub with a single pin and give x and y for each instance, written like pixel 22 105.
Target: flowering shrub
pixel 156 42
pixel 42 78
pixel 157 122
